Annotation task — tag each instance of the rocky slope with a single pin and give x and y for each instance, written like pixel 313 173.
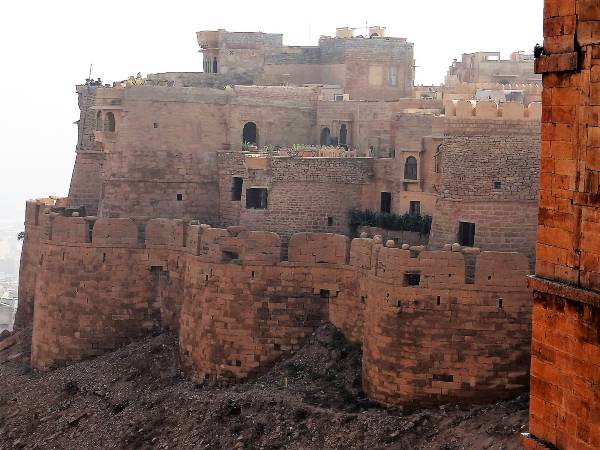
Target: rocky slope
pixel 137 398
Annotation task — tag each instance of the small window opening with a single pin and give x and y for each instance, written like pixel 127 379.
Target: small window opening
pixel 466 234
pixel 99 121
pixel 338 97
pixel 253 274
pixel 500 303
pixel 362 299
pixel 250 133
pixel 277 347
pixel 90 231
pixel 329 221
pixel 155 124
pixel 343 135
pixel 110 124
pixel 256 198
pixel 103 257
pixel 179 197
pixel 215 66
pixel 386 202
pixel 230 256
pixel 410 168
pixel 412 279
pixel 437 160
pixel 325 136
pixel 324 293
pixel 439 300
pixel 393 76
pixel 446 378
pixel 236 189
pixel 414 208
pixel 497 185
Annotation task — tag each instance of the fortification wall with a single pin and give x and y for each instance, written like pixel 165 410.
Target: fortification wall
pixel 239 307
pixel 446 333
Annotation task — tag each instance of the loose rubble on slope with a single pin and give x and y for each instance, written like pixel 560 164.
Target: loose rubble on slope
pixel 137 398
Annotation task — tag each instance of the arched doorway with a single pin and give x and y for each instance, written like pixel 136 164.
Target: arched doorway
pixel 325 136
pixel 343 135
pixel 250 133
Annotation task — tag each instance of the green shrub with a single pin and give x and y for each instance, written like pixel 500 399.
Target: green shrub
pixel 394 222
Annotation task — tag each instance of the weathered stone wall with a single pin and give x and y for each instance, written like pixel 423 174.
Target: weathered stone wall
pixel 565 404
pixel 361 66
pixel 86 181
pixel 303 193
pixel 442 338
pixel 477 154
pixel 238 307
pixel 91 296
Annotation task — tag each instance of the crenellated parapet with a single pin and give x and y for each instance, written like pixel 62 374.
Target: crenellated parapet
pixel 239 305
pixel 468 109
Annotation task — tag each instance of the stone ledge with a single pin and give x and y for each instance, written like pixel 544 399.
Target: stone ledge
pixel 563 290
pixel 562 62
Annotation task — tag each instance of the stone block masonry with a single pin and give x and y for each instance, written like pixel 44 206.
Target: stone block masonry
pixel 430 333
pixel 565 365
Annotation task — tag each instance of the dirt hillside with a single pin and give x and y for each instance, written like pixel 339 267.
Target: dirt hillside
pixel 137 398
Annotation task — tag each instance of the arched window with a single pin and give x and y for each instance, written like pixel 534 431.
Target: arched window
pixel 325 136
pixel 215 66
pixel 343 135
pixel 99 121
pixel 410 168
pixel 110 125
pixel 250 133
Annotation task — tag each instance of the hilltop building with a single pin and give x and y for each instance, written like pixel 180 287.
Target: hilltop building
pixel 217 204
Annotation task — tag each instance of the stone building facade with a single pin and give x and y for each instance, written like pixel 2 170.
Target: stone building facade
pixel 375 67
pixel 489 67
pixel 565 365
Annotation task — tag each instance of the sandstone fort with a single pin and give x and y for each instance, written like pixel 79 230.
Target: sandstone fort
pixel 450 231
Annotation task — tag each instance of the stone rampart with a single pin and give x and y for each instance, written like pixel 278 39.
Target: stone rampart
pixel 429 332
pixel 492 110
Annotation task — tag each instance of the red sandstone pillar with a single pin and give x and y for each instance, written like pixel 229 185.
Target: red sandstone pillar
pixel 565 366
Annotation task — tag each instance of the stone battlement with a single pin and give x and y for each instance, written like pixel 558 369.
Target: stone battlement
pixel 461 318
pixel 447 266
pixel 491 110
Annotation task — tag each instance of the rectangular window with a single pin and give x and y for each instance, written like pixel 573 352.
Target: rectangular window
pixel 415 208
pixel 338 98
pixel 466 234
pixel 179 197
pixel 497 185
pixel 393 76
pixel 386 202
pixel 412 279
pixel 256 198
pixel 236 189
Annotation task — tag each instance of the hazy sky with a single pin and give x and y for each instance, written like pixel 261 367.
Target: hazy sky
pixel 47 47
